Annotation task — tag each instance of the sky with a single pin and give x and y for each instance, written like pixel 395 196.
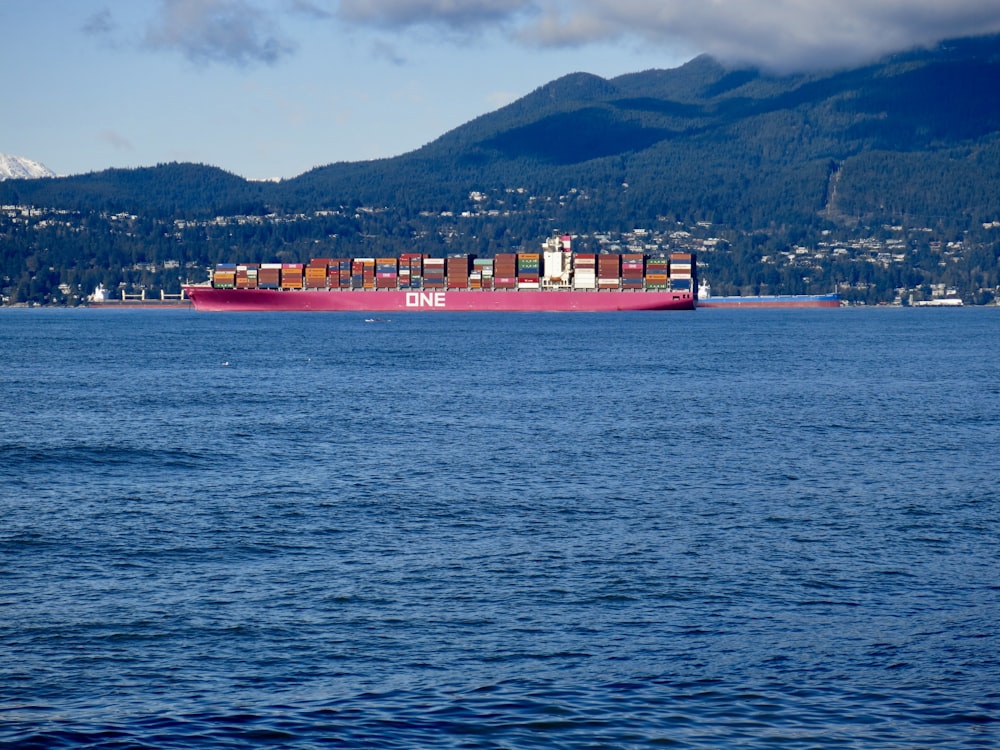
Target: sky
pixel 268 89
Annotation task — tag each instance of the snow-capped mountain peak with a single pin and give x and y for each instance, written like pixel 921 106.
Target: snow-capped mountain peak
pixel 17 168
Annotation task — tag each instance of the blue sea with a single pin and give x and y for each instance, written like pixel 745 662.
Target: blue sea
pixel 719 529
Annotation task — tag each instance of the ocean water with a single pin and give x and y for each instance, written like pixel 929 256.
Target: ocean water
pixel 745 529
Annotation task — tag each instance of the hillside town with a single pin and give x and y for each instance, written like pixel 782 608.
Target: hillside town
pixel 858 266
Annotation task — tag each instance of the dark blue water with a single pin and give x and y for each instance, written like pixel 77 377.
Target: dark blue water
pixel 745 529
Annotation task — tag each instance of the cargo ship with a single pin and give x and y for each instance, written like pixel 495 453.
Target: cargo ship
pixel 553 280
pixel 705 299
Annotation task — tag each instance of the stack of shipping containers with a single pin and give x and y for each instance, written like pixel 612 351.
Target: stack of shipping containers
pixel 505 271
pixel 363 273
pixel 292 275
pixel 457 270
pixel 345 272
pixel 482 274
pixel 386 273
pixel 658 273
pixel 585 271
pixel 246 276
pixel 316 273
pixel 608 271
pixel 632 270
pixel 682 271
pixel 403 273
pixel 333 273
pixel 433 273
pixel 528 270
pixel 410 270
pixel 340 273
pixel 224 276
pixel 269 276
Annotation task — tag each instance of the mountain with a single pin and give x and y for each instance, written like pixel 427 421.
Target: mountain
pixel 913 137
pixel 17 168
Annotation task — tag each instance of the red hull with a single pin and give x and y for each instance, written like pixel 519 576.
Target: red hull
pixel 770 302
pixel 455 300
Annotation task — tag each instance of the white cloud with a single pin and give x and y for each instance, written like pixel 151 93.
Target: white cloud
pixel 783 35
pixel 780 34
pixel 228 31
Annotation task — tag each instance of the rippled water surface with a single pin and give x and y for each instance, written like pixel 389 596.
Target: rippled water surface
pixel 719 529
